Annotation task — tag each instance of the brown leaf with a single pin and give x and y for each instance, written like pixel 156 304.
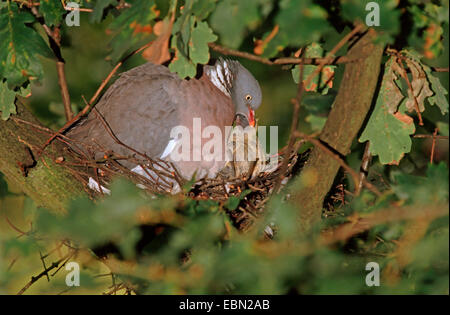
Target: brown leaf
pixel 158 52
pixel 392 94
pixel 420 86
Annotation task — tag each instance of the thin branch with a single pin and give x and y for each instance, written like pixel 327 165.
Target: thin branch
pixel 300 90
pixel 294 125
pixel 43 273
pixel 22 233
pixel 43 265
pixel 437 137
pixel 367 157
pixel 433 145
pixel 94 97
pixel 408 82
pixel 364 222
pixel 280 61
pixel 437 69
pixel 54 38
pixel 30 4
pixel 335 156
pixel 339 45
pixel 62 82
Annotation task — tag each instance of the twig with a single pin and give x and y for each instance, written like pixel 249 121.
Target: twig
pixel 437 137
pixel 329 60
pixel 438 69
pixel 43 273
pixel 280 61
pixel 64 90
pixel 121 5
pixel 344 165
pixel 339 45
pixel 364 222
pixel 43 265
pixel 300 90
pixel 433 145
pixel 405 76
pixel 22 233
pixel 54 37
pixel 367 157
pixel 93 99
pixel 294 125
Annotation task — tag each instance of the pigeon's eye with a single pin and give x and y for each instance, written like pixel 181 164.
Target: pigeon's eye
pixel 248 97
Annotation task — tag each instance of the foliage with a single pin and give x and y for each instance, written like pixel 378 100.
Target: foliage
pixel 173 244
pixel 389 127
pixel 228 262
pixel 20 47
pixel 322 82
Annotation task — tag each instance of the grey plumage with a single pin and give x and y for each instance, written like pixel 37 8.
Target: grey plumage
pixel 146 102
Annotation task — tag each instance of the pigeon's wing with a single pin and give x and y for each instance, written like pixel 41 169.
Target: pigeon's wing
pixel 137 109
pixel 211 107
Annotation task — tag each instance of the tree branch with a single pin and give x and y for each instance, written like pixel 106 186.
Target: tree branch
pixel 50 184
pixel 345 119
pixel 54 38
pixel 279 61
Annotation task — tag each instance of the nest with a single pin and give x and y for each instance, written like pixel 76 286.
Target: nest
pixel 162 177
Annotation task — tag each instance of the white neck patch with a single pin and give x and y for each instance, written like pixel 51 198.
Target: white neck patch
pixel 221 76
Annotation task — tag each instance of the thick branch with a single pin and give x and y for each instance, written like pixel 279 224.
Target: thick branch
pixel 48 183
pixel 344 121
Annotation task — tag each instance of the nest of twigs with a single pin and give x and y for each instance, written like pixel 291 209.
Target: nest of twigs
pixel 161 177
pixel 164 176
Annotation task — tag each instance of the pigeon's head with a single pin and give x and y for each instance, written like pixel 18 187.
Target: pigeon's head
pixel 246 95
pixel 238 83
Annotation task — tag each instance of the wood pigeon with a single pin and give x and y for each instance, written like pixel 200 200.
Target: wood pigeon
pixel 145 103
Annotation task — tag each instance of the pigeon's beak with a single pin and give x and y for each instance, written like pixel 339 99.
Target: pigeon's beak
pixel 245 119
pixel 251 116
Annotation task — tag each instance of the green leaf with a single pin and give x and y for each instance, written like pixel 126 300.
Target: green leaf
pixel 233 18
pixel 180 63
pixel 133 27
pixel 91 224
pixel 439 90
pixel 387 132
pixel 190 42
pixel 301 22
pixel 7 97
pixel 99 9
pixel 443 128
pixel 23 246
pixel 52 11
pixel 233 202
pixel 20 47
pixel 355 10
pixel 321 82
pixel 277 44
pixel 203 8
pixel 316 122
pixel 128 244
pixel 198 46
pixel 432 189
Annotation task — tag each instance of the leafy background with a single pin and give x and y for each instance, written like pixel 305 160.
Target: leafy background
pixel 413 253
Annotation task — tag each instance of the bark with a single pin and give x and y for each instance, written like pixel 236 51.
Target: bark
pixel 345 119
pixel 49 184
